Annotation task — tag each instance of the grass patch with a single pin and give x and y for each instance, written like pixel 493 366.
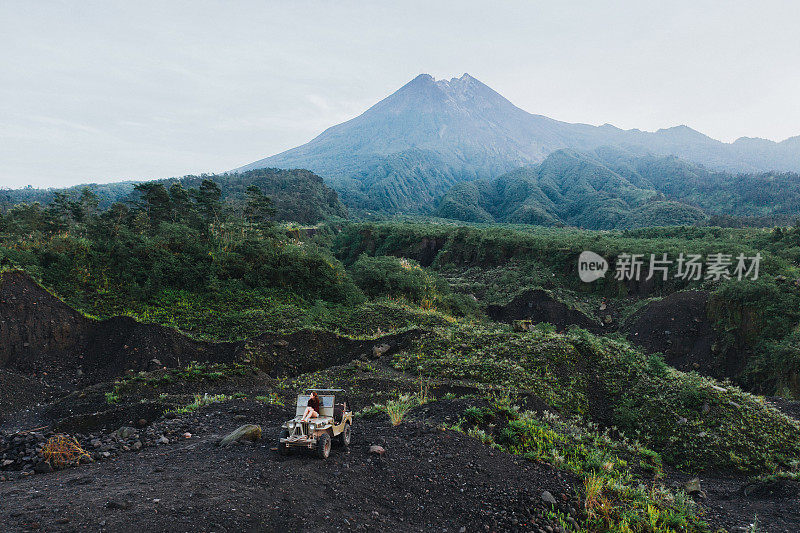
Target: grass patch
pixel 397 408
pixel 198 402
pixel 611 468
pixel 271 398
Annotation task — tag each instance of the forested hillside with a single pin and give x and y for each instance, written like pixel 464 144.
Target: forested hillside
pixel 296 195
pixel 610 188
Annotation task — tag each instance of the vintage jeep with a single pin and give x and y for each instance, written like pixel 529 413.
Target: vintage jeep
pixel 335 419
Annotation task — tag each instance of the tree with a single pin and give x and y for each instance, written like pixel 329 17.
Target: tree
pixel 157 203
pixel 89 202
pixel 209 200
pixel 183 210
pixel 61 208
pixel 258 209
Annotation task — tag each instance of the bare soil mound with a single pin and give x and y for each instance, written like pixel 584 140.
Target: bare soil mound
pixel 40 334
pixel 311 350
pixel 678 327
pixel 18 391
pixel 539 306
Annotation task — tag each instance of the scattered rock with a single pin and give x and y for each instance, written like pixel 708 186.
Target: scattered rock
pixel 377 450
pixel 43 468
pixel 380 349
pixel 118 504
pixel 125 432
pixel 692 488
pixel 548 498
pixel 163 440
pixel 248 432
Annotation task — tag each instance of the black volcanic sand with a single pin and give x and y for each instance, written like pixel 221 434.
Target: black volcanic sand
pixel 427 480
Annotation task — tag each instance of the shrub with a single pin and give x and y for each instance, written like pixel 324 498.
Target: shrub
pixel 397 408
pixel 62 451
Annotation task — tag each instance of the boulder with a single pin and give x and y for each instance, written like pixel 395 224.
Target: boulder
pixel 692 488
pixel 380 349
pixel 125 432
pixel 377 450
pixel 548 498
pixel 43 468
pixel 248 432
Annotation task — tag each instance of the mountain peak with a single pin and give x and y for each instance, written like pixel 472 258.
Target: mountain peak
pixel 415 143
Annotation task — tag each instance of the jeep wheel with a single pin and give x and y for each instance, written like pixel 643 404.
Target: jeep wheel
pixel 324 446
pixel 283 449
pixel 344 436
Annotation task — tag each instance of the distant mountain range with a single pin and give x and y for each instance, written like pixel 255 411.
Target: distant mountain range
pixel 405 152
pixel 611 188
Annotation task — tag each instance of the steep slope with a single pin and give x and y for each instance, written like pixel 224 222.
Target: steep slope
pixel 404 150
pixel 41 335
pixel 418 140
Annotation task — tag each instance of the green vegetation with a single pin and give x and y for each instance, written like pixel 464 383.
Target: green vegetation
pixel 610 188
pixel 293 195
pixel 183 257
pixel 495 264
pixel 272 398
pixel 175 257
pixel 611 467
pixel 198 402
pixel 398 407
pixel 694 423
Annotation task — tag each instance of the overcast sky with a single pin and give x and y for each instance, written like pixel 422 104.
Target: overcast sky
pixel 105 91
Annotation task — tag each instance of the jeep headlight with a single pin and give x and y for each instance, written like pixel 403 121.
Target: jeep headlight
pixel 312 427
pixel 290 425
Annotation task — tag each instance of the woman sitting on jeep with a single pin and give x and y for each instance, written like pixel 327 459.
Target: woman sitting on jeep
pixel 312 411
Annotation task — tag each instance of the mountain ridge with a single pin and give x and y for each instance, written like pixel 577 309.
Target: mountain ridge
pixel 472 132
pixel 611 188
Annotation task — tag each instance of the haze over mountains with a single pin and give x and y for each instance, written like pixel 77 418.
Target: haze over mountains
pixel 457 149
pixel 405 152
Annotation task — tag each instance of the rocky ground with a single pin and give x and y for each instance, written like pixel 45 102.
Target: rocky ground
pixel 426 480
pixel 144 471
pixel 171 475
